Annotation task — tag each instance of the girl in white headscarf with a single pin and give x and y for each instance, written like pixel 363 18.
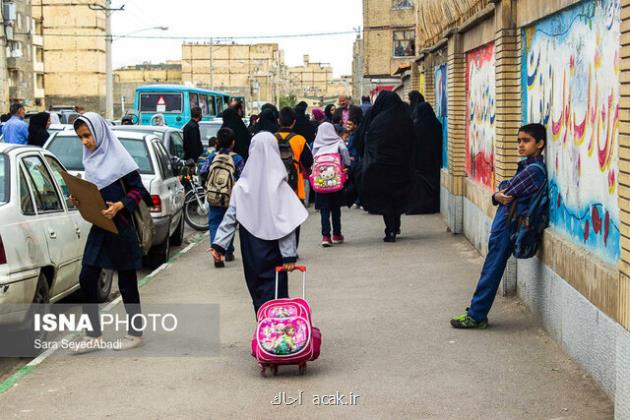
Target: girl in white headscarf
pixel 111 168
pixel 329 204
pixel 268 213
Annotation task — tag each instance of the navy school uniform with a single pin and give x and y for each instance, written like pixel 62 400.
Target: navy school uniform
pixel 260 259
pixel 118 252
pixel 121 252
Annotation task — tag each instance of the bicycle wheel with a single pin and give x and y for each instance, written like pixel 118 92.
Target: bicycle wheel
pixel 196 215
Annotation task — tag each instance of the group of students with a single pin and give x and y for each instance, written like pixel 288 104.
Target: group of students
pixel 394 172
pixel 16 131
pixel 268 210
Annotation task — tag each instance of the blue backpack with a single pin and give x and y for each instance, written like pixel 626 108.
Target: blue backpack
pixel 531 223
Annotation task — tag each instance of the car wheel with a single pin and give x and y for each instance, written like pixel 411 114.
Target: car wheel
pixel 178 236
pixel 105 281
pixel 42 292
pixel 158 255
pixel 26 334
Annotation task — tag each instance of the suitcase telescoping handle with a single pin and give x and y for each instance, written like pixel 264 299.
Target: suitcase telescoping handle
pixel 301 268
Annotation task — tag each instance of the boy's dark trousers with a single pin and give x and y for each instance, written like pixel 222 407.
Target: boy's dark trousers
pixel 500 248
pixel 215 217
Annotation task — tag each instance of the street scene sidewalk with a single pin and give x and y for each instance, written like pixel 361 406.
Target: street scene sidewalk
pixel 384 312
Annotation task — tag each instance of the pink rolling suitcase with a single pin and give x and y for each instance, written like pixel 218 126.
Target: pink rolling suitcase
pixel 285 334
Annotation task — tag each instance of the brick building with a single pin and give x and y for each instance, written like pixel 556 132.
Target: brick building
pixel 127 79
pixel 22 62
pixel 74 53
pixel 253 71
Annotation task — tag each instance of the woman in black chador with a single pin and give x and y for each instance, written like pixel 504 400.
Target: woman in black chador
pixel 232 120
pixel 425 192
pixel 386 169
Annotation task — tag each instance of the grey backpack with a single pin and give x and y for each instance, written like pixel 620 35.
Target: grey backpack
pixel 220 180
pixel 145 228
pixel 143 224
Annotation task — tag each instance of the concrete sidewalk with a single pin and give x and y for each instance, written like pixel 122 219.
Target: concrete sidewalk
pixel 384 312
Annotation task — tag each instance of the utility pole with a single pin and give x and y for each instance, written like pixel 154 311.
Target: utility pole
pixel 211 65
pixel 109 72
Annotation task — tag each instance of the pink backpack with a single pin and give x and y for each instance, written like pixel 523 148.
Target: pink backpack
pixel 328 175
pixel 285 334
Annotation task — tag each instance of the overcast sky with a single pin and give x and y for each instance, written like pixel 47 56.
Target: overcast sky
pixel 238 18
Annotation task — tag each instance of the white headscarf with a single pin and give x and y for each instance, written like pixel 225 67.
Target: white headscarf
pixel 327 140
pixel 109 161
pixel 265 203
pixel 155 117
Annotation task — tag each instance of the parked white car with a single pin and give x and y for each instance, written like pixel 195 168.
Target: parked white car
pixel 158 178
pixel 42 235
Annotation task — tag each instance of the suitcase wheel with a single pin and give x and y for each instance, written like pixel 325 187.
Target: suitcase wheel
pixel 302 369
pixel 265 368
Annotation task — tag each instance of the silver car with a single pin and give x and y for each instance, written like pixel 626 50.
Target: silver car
pixel 172 138
pixel 42 234
pixel 158 178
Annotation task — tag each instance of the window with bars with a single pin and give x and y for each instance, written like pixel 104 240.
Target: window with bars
pixel 405 43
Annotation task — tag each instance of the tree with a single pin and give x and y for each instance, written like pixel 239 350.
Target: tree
pixel 289 101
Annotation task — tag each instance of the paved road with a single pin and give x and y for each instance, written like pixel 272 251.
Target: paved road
pixel 8 366
pixel 383 310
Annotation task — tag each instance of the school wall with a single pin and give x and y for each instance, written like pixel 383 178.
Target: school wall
pixel 565 63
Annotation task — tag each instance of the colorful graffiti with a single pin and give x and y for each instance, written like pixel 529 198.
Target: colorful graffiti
pixel 570 79
pixel 441 107
pixel 480 109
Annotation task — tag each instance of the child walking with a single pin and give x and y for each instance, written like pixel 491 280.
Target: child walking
pixel 329 205
pixel 268 213
pixel 513 198
pixel 223 168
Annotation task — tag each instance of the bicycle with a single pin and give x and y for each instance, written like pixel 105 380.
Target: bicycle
pixel 195 205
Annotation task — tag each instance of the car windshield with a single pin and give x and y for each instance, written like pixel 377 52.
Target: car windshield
pixel 161 102
pixel 4 179
pixel 208 130
pixel 69 150
pixel 132 129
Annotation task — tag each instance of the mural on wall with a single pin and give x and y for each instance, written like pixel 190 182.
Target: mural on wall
pixel 441 107
pixel 480 109
pixel 570 78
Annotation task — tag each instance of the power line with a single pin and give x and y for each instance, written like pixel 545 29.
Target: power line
pixel 204 38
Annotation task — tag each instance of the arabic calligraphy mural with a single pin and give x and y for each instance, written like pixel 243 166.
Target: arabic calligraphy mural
pixel 441 107
pixel 570 79
pixel 480 109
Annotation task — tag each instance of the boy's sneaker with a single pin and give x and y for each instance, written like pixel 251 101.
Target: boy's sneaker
pixel 229 257
pixel 463 321
pixel 337 239
pixel 129 342
pixel 326 241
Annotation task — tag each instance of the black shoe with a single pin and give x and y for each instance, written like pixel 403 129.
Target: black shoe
pixel 390 237
pixel 229 258
pixel 219 264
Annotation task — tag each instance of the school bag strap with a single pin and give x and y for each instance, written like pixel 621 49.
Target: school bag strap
pixel 287 138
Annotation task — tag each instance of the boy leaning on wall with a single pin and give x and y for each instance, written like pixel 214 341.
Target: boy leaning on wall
pixel 513 198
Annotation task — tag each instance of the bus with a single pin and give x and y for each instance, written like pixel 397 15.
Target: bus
pixel 175 103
